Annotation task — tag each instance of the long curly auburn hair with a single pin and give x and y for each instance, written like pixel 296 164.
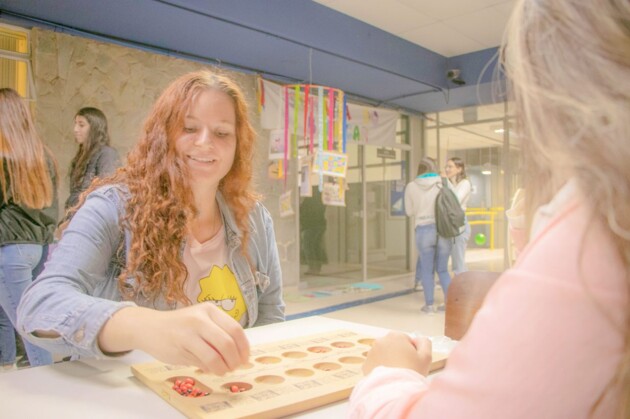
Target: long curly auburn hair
pixel 161 202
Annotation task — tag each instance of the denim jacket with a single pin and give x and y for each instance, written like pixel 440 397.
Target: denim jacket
pixel 78 291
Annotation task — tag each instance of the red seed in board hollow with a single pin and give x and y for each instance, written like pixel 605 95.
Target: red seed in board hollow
pixel 234 389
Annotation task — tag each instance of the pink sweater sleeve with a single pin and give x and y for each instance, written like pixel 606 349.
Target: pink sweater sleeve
pixel 539 347
pixel 387 393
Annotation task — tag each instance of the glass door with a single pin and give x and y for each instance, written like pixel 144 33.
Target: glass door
pixel 387 231
pixel 482 137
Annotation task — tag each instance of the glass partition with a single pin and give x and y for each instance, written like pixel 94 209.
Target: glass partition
pixel 484 138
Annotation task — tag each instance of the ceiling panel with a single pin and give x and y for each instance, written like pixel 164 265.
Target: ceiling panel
pixel 444 9
pixel 485 26
pixel 438 25
pixel 397 17
pixel 440 37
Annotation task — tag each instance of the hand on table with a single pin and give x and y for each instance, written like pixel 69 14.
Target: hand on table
pixel 399 350
pixel 201 335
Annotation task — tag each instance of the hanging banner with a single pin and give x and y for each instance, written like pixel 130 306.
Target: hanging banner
pixel 313 113
pixel 374 126
pixel 272 105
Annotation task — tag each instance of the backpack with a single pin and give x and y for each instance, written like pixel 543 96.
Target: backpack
pixel 449 215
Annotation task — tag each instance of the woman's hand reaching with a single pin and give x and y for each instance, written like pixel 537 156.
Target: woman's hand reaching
pixel 399 350
pixel 201 335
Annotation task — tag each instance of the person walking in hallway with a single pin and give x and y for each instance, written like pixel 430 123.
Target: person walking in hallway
pixel 433 250
pixel 455 170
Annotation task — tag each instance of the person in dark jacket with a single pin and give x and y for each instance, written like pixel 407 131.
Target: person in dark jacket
pixel 28 216
pixel 95 157
pixel 312 230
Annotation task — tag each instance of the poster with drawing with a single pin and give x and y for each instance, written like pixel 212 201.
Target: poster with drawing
pixel 330 163
pixel 334 194
pixel 276 144
pixel 286 206
pixel 306 166
pixel 274 170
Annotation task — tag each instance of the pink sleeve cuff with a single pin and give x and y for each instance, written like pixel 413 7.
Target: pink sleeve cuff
pixel 387 392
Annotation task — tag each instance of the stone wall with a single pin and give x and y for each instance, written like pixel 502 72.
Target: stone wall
pixel 72 72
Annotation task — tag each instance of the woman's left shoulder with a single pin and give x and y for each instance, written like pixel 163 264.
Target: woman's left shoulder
pixel 259 212
pixel 109 151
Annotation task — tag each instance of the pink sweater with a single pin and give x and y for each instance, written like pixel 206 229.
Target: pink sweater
pixel 546 343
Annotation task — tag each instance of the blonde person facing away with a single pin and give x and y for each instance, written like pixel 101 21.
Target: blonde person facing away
pixel 456 173
pixel 552 337
pixel 173 254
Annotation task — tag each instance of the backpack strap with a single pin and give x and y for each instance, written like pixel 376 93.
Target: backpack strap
pixel 445 182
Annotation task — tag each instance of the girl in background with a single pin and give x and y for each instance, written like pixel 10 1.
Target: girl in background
pixel 456 173
pixel 94 158
pixel 28 216
pixel 552 339
pixel 433 250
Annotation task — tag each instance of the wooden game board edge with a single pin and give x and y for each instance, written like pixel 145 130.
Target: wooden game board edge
pixel 438 364
pixel 277 411
pixel 302 406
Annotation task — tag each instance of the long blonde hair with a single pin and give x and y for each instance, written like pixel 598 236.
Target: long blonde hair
pixel 24 174
pixel 161 201
pixel 569 63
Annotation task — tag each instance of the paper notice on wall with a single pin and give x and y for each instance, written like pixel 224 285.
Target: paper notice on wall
pixel 334 194
pixel 286 205
pixel 270 115
pixel 276 144
pixel 306 168
pixel 275 169
pixel 329 163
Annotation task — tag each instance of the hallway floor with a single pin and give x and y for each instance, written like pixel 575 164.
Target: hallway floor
pixel 391 303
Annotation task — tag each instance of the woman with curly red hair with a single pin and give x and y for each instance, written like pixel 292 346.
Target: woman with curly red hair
pixel 173 254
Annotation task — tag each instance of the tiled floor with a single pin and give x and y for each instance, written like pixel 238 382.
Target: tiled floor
pixel 402 312
pixel 398 313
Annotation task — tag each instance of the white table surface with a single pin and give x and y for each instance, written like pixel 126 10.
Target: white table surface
pixel 94 389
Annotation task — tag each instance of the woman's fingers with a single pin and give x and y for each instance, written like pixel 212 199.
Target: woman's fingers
pixel 219 342
pixel 424 350
pixel 234 336
pixel 399 350
pixel 201 335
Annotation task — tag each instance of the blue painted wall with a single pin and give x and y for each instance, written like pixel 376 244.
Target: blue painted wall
pixel 285 40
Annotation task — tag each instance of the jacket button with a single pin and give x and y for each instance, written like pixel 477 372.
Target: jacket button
pixel 79 335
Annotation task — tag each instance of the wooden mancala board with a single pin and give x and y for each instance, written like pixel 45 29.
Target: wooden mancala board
pixel 282 378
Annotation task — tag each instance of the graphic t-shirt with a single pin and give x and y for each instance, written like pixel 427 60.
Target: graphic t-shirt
pixel 210 278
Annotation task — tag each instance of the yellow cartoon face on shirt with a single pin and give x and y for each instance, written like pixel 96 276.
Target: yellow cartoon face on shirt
pixel 221 288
